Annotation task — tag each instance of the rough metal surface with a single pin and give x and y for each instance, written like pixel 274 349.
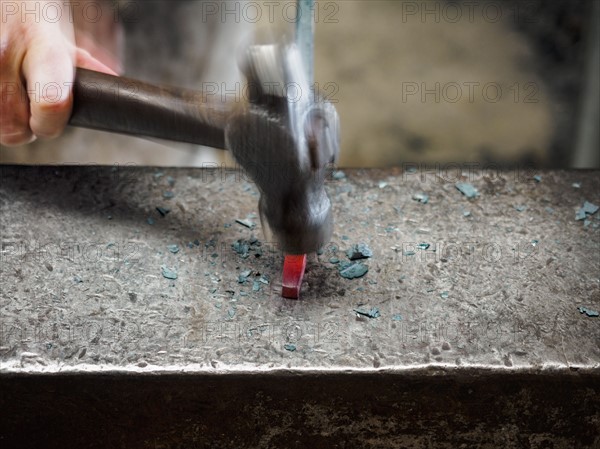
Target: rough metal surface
pixel 83 288
pixel 82 285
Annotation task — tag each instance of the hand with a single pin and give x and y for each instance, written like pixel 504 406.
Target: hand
pixel 37 59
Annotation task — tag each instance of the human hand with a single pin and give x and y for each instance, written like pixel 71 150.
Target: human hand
pixel 37 59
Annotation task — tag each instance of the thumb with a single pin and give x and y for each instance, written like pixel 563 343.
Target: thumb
pixel 85 60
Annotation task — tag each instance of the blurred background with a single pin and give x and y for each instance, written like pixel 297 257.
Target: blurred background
pixel 506 82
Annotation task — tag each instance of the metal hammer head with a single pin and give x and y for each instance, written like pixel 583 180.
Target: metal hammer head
pixel 285 137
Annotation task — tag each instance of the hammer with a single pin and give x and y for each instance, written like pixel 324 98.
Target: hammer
pixel 285 136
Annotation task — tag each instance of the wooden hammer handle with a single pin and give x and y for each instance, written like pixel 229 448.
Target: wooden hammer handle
pixel 128 106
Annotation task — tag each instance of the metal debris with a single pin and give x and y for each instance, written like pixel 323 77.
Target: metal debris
pixel 247 223
pixel 444 295
pixel 589 312
pixel 359 251
pixel 576 185
pixel 163 211
pixel 173 248
pixel 353 270
pixel 397 317
pixel 290 347
pixel 467 189
pixel 243 276
pixel 423 246
pixel 421 198
pixel 168 272
pixel 586 210
pixel 373 313
pixel 537 178
pixel 243 247
pixel 520 208
pixel 264 279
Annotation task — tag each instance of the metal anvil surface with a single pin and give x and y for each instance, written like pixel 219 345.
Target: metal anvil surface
pixel 473 317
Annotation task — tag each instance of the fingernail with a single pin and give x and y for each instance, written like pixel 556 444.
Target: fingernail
pixel 26 142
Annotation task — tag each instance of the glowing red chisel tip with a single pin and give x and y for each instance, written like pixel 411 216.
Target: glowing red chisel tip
pixel 293 272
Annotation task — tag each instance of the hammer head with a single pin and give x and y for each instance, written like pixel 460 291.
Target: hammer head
pixel 285 137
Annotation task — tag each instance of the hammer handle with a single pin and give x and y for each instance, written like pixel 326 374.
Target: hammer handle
pixel 128 106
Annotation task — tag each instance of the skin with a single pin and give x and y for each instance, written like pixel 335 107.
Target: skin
pixel 37 60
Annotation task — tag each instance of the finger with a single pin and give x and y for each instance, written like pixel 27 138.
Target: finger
pixel 48 72
pixel 14 104
pixel 14 115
